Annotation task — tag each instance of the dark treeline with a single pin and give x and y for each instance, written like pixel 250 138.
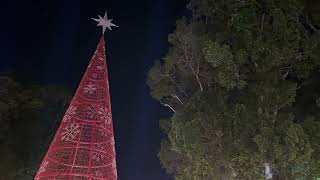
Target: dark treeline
pixel 29 117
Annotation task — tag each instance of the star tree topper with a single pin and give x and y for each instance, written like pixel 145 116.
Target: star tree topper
pixel 104 22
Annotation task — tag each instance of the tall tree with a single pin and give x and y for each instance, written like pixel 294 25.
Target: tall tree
pixel 241 78
pixel 29 115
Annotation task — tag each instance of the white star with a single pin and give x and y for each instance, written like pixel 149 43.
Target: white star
pixel 105 22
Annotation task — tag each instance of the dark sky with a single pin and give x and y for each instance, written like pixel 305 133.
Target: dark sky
pixel 51 42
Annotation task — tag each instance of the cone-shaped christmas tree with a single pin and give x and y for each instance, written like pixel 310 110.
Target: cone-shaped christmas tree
pixel 83 147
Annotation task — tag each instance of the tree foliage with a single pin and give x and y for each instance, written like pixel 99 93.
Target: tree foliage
pixel 29 116
pixel 242 80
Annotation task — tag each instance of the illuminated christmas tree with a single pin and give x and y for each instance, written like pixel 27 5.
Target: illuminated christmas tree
pixel 83 147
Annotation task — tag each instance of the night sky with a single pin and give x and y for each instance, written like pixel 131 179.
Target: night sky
pixel 51 42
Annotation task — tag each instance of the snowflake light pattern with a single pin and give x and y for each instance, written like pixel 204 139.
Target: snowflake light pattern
pixel 105 115
pixel 100 68
pixel 98 173
pixel 70 112
pixel 98 156
pixel 90 89
pixel 100 58
pixel 70 132
pixel 103 132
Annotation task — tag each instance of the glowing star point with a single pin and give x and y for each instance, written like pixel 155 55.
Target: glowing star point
pixel 104 22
